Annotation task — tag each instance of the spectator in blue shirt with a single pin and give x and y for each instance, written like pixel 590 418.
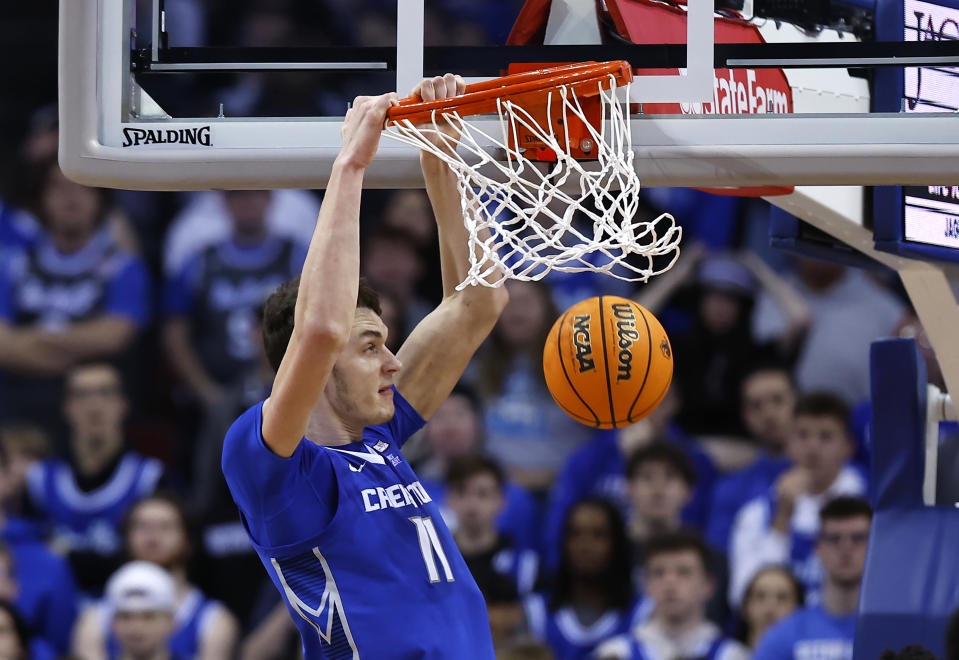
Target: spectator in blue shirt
pixel 780 526
pixel 768 406
pixel 475 487
pixel 826 631
pixel 211 303
pixel 598 468
pixel 83 499
pixel 73 296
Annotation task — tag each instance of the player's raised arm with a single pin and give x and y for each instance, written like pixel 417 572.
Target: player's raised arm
pixel 439 348
pixel 326 299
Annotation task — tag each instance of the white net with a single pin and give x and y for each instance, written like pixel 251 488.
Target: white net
pixel 569 216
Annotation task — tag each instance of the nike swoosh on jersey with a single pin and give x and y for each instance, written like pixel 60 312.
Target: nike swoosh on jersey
pixel 366 456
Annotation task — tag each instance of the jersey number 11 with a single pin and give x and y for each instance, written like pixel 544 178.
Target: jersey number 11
pixel 431 548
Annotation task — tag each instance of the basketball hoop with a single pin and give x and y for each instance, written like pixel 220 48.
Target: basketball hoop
pixel 553 186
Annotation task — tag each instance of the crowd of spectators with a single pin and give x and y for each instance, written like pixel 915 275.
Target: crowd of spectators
pixel 732 522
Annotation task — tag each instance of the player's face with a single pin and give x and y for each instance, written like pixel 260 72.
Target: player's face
pixel 768 402
pixel 476 502
pixel 10 647
pixel 142 633
pixel 359 387
pixel 657 491
pixel 589 541
pixel 771 598
pixel 820 444
pixel 842 548
pixel 95 405
pixel 454 428
pixel 678 583
pixel 156 534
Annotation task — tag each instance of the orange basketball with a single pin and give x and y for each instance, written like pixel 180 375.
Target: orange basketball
pixel 607 362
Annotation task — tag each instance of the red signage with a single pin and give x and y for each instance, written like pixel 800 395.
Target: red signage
pixel 735 91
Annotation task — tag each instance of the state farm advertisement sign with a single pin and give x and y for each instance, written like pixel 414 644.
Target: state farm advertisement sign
pixel 735 91
pixel 738 92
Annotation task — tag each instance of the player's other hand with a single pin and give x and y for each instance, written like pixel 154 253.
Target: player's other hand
pixel 440 87
pixel 362 128
pixel 434 89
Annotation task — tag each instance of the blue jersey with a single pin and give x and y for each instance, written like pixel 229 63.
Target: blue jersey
pixel 569 639
pixel 811 632
pixel 90 521
pixel 189 624
pixel 356 546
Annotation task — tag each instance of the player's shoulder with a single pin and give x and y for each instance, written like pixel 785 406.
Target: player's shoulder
pixel 246 427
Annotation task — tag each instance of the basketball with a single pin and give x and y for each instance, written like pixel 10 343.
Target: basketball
pixel 608 362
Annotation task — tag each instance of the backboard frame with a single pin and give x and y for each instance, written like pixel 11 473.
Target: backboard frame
pixel 98 93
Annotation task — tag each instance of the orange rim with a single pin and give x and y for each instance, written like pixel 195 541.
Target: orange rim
pixel 481 98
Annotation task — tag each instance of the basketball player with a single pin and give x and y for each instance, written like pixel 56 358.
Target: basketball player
pixel 346 532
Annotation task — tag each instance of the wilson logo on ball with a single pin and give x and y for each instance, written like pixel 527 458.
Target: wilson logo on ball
pixel 664 347
pixel 584 347
pixel 626 334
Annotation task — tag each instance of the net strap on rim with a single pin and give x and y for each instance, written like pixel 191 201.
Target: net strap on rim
pixel 524 222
